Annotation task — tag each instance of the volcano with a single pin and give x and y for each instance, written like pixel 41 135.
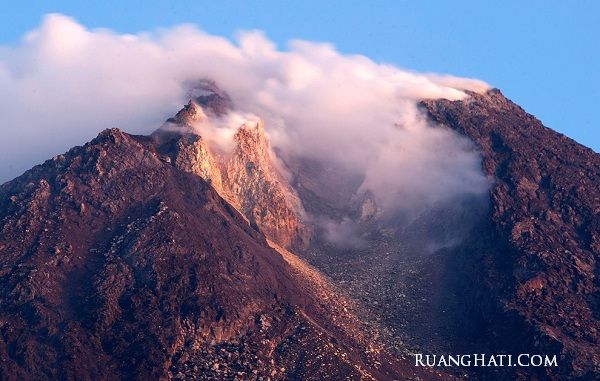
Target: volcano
pixel 169 257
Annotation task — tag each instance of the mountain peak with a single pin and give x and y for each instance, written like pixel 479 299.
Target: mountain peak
pixel 191 113
pixel 211 97
pixel 113 134
pixel 248 176
pixel 205 99
pixel 252 143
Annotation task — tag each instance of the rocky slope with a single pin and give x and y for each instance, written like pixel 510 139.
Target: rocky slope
pixel 115 264
pixel 522 279
pixel 534 273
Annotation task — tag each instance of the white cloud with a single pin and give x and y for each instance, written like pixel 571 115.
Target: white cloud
pixel 63 83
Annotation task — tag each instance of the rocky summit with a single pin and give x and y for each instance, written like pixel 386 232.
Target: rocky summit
pixel 247 176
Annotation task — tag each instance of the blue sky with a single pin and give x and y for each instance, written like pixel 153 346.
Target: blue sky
pixel 545 55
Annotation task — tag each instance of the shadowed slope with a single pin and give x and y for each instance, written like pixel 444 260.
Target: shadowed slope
pixel 542 260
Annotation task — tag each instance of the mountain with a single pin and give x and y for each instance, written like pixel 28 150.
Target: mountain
pixel 116 264
pixel 514 272
pixel 533 276
pixel 179 256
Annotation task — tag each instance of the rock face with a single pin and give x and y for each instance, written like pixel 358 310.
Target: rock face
pixel 264 196
pixel 247 176
pixel 538 261
pixel 115 264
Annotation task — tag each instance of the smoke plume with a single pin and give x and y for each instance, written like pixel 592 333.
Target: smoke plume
pixel 64 83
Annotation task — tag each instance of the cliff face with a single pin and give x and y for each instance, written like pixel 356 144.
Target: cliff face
pixel 264 196
pixel 247 176
pixel 543 258
pixel 115 264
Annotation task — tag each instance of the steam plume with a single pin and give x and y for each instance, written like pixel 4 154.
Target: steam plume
pixel 63 83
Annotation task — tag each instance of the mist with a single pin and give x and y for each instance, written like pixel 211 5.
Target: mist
pixel 64 83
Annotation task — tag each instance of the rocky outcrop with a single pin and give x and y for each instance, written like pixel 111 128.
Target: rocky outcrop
pixel 542 261
pixel 248 176
pixel 264 196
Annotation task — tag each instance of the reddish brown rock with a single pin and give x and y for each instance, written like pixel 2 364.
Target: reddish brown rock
pixel 115 264
pixel 248 177
pixel 542 261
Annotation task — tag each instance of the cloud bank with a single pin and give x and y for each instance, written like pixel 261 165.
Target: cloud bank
pixel 64 83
